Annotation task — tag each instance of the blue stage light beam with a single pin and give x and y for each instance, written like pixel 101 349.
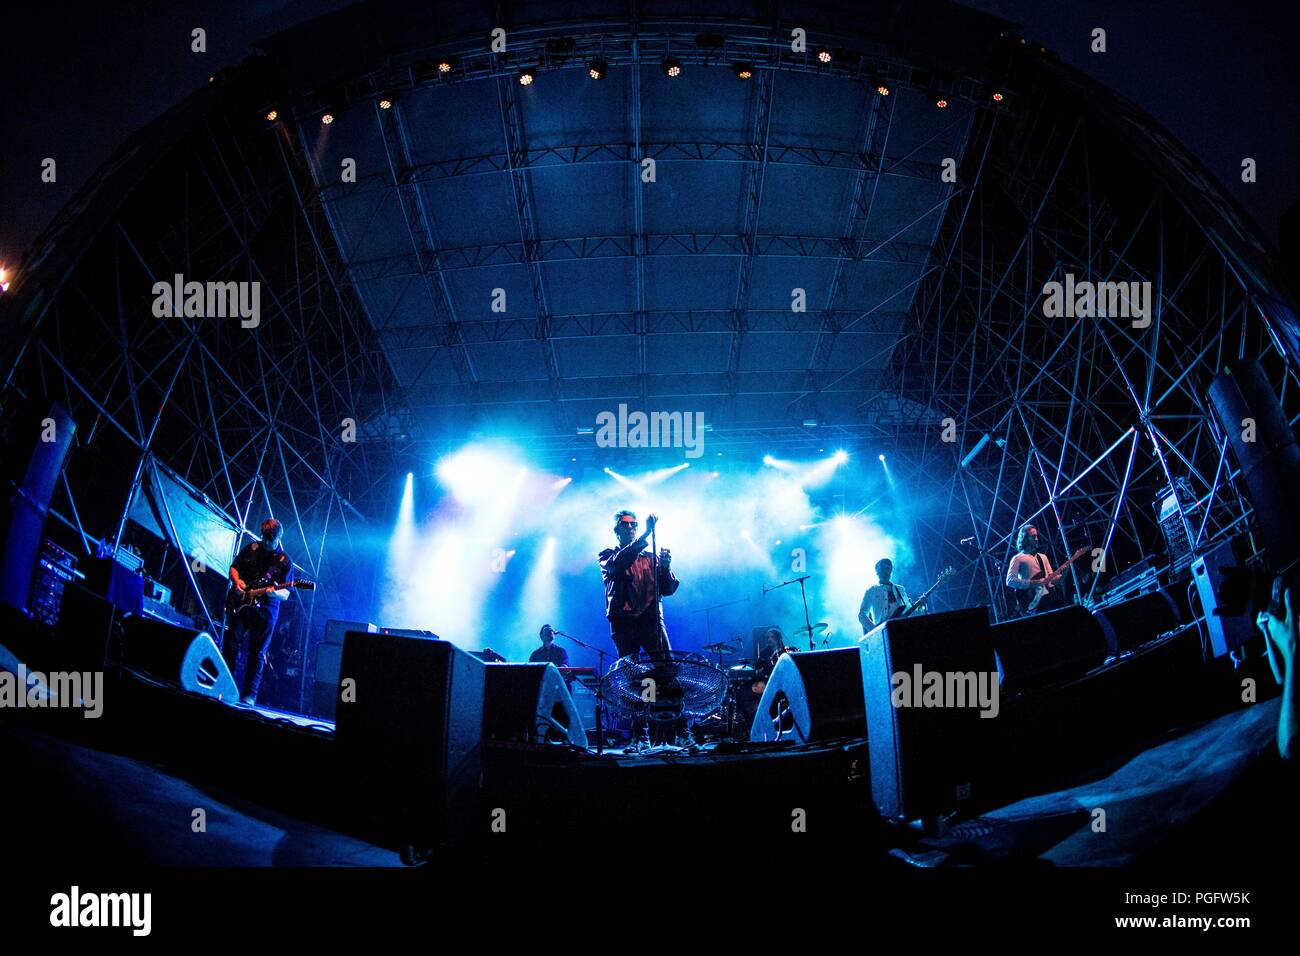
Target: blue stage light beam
pixel 630 484
pixel 655 477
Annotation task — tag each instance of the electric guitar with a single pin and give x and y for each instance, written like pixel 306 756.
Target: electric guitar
pixel 903 611
pixel 256 594
pixel 1048 582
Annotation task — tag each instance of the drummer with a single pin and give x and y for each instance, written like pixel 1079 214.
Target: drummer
pixel 771 648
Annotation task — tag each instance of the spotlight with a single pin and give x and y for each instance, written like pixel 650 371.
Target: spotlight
pixel 743 71
pixel 271 115
pixel 4 280
pixel 881 457
pixel 597 69
pixel 326 119
pixel 527 76
pixel 672 67
pixel 446 64
pixel 385 103
pixel 938 100
pixel 841 456
pixel 824 55
pixel 883 89
pixel 998 97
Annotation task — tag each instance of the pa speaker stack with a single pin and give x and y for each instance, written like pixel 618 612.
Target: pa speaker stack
pixel 925 759
pixel 409 726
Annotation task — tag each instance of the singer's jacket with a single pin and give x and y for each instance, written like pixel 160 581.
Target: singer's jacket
pixel 629 581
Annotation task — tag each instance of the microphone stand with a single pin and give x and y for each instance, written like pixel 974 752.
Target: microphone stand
pixel 812 646
pixel 600 697
pixel 659 613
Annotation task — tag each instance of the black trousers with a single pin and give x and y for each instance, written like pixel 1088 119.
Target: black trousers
pixel 251 628
pixel 645 632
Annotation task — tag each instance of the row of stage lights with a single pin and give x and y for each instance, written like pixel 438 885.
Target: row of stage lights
pixel 671 67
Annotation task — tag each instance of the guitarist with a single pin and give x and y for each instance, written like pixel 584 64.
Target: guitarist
pixel 884 600
pixel 1031 574
pixel 259 565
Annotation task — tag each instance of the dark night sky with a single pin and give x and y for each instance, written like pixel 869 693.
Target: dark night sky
pixel 77 78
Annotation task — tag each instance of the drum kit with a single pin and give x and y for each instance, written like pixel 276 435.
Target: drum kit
pixel 747 679
pixel 719 695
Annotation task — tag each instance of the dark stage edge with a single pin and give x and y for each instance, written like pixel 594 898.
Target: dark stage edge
pixel 1214 791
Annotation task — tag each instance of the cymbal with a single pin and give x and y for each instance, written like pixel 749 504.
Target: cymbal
pixel 721 646
pixel 813 629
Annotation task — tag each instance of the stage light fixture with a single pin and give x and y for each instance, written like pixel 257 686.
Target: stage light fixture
pixel 326 119
pixel 672 67
pixel 841 456
pixel 446 64
pixel 881 457
pixel 272 115
pixel 743 71
pixel 385 103
pixel 4 280
pixel 527 76
pixel 597 69
pixel 998 97
pixel 824 55
pixel 883 88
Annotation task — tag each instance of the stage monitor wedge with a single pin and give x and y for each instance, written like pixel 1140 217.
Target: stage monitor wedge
pixel 529 703
pixel 177 654
pixel 1055 645
pixel 812 695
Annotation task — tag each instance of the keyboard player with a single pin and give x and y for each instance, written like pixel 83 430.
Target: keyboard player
pixel 549 652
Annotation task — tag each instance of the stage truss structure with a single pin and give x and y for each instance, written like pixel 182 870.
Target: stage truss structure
pixel 1002 414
